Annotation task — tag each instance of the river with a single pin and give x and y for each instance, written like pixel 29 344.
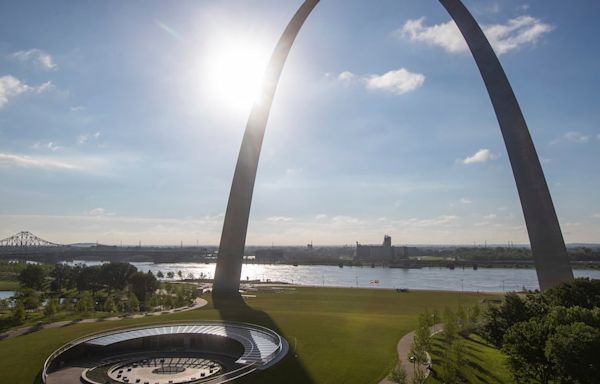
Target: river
pixel 482 279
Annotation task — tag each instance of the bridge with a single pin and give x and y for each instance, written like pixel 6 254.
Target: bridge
pixel 27 246
pixel 26 239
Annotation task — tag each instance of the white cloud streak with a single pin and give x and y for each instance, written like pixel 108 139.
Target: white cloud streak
pixel 577 137
pixel 279 219
pixel 36 56
pixel 50 145
pixel 10 86
pixel 480 156
pixel 23 161
pixel 397 82
pixel 513 34
pixel 87 137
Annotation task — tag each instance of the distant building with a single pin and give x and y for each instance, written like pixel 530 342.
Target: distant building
pixel 385 252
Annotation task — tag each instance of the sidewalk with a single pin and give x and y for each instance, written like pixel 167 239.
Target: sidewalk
pixel 403 350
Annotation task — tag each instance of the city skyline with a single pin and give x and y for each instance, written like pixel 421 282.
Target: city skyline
pixel 99 156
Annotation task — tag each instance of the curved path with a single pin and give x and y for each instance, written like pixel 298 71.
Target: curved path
pixel 198 303
pixel 403 349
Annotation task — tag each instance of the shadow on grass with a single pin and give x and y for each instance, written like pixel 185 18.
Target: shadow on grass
pixel 480 371
pixel 289 369
pixel 38 378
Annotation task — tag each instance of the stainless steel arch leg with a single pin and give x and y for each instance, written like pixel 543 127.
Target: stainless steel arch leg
pixel 233 237
pixel 547 243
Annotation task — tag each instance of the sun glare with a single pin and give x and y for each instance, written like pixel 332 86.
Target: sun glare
pixel 233 72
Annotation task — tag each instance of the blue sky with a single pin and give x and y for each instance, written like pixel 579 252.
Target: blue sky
pixel 121 121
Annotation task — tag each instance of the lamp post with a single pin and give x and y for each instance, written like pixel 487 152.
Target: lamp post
pixel 414 361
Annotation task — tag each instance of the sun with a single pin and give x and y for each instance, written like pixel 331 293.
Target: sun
pixel 233 72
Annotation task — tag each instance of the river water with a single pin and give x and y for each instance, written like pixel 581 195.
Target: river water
pixel 482 279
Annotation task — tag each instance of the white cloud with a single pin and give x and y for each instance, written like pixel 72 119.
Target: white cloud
pixel 398 81
pixel 37 56
pixel 577 137
pixel 97 212
pixel 47 145
pixel 480 156
pixel 86 137
pixel 321 216
pixel 491 216
pixel 465 201
pixel 11 160
pixel 346 77
pixel 340 219
pixel 279 219
pixel 598 136
pixel 445 35
pixel 11 86
pixel 596 216
pixel 77 108
pixel 504 38
pixel 436 221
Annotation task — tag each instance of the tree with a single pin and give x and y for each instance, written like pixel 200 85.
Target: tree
pixel 499 318
pixel 143 283
pixel 109 305
pixel 422 339
pixel 63 277
pixel 85 303
pixel 29 297
pixel 133 303
pixel 180 274
pixel 398 374
pixel 170 275
pixel 33 277
pixel 160 275
pixel 435 317
pixel 581 292
pixel 573 350
pixel 462 320
pixel 452 362
pixel 89 279
pixel 116 275
pixel 474 315
pixel 524 344
pixel 51 308
pixel 418 376
pixel 18 314
pixel 450 326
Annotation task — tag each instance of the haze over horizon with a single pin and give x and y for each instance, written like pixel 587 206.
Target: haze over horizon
pixel 121 123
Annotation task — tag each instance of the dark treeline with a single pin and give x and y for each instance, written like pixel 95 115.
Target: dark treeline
pixel 505 253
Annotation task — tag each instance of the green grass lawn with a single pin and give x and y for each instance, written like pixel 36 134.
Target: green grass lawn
pixel 484 363
pixel 336 335
pixel 9 285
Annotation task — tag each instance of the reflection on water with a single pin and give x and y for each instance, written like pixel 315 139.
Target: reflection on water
pixel 483 279
pixel 6 294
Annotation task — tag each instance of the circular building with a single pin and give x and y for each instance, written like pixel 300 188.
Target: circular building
pixel 182 353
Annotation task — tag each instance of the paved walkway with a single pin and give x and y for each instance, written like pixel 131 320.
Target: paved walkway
pixel 198 303
pixel 403 349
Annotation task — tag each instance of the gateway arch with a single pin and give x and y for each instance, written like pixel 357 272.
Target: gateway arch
pixel 547 243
